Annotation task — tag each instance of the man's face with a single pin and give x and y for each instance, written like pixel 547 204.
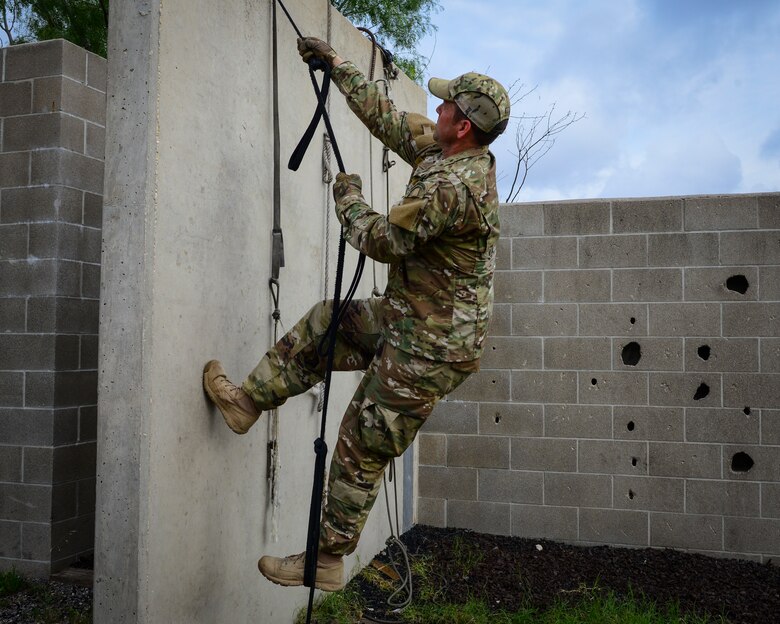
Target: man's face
pixel 445 132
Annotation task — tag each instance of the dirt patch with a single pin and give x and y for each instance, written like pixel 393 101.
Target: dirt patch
pixel 508 572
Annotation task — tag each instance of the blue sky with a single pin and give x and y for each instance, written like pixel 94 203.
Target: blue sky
pixel 679 96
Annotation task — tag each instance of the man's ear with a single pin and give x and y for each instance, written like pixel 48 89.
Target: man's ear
pixel 464 127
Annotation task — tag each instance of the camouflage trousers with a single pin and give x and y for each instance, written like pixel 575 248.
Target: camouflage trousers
pixel 394 398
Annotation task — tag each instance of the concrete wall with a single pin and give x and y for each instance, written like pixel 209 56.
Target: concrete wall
pixel 558 436
pixel 183 503
pixel 52 118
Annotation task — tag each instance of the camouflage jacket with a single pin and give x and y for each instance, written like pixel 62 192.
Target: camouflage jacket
pixel 439 240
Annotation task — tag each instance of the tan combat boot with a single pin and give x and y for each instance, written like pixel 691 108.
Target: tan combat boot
pixel 288 571
pixel 237 407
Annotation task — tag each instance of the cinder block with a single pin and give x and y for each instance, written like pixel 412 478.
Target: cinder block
pixel 643 215
pixel 453 417
pixel 36 540
pixel 27 351
pixel 75 462
pixel 587 286
pixel 721 425
pixel 13 241
pixel 61 389
pixel 66 349
pixel 647 285
pixel 731 212
pixel 12 314
pixel 679 250
pixel 770 500
pixel 87 431
pixel 512 353
pixel 504 254
pixel 649 493
pixel 431 512
pixel 501 321
pixel 65 426
pixel 684 319
pixel 511 486
pixel 648 423
pixel 722 354
pixel 557 455
pixel 518 286
pixel 449 483
pixel 37 465
pixel 14 169
pixel 751 319
pixel 72 537
pixel 544 387
pixel 674 459
pixel 608 457
pixel 86 496
pixel 769 283
pixel 31 132
pixel 612 251
pixel 655 354
pixel 58 166
pixel 722 498
pixel 770 427
pixel 751 389
pixel 766 463
pixel 88 353
pixel 577 353
pixel 24 502
pixel 433 449
pixel 25 427
pixel 544 319
pixel 576 218
pixel 478 451
pixel 66 241
pixel 577 490
pixel 11 389
pixel 578 421
pixel 486 385
pixel 41 203
pixel 685 389
pixel 541 522
pixel 64 501
pixel 45 58
pixel 557 252
pixel 96 71
pixel 713 284
pixel 493 518
pixel 613 319
pixel 753 535
pixel 762 247
pixel 10 463
pixel 613 526
pixel 10 539
pixel 769 211
pixel 15 98
pixel 612 388
pixel 93 212
pixel 521 219
pixel 670 530
pixel 511 419
pixel 77 316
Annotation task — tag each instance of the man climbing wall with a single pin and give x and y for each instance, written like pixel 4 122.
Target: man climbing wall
pixel 424 337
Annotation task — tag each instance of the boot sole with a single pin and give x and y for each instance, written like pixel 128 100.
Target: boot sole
pixel 235 428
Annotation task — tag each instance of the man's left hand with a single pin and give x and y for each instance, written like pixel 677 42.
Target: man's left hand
pixel 347 185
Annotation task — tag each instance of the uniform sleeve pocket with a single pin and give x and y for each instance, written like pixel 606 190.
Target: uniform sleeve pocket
pixel 406 214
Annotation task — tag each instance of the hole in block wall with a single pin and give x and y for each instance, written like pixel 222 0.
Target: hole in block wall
pixel 634 461
pixel 631 494
pixel 741 462
pixel 632 320
pixel 593 382
pixel 746 411
pixel 492 381
pixel 738 283
pixel 702 391
pixel 498 418
pixel 704 352
pixel 630 425
pixel 631 354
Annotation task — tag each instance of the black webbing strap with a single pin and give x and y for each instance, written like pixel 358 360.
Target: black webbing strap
pixel 277 240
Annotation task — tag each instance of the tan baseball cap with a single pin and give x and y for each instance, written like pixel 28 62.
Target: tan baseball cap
pixel 482 99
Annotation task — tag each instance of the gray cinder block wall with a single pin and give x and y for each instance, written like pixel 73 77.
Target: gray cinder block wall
pixel 52 120
pixel 630 391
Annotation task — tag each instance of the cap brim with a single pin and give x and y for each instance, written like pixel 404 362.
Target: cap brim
pixel 440 88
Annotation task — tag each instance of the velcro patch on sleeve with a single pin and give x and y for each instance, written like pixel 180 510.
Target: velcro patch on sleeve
pixel 405 215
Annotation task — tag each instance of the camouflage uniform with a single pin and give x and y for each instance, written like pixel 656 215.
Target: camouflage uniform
pixel 425 336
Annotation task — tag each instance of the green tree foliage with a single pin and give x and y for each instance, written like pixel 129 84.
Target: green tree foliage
pixel 398 24
pixel 83 22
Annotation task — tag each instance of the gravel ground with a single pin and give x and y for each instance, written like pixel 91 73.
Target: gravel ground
pixel 47 603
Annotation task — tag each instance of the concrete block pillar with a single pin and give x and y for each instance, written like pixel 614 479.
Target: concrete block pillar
pixel 52 113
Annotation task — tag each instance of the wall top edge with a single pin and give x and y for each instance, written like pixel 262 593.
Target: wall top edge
pixel 607 200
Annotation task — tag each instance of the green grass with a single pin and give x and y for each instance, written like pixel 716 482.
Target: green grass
pixel 11 582
pixel 45 610
pixel 588 605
